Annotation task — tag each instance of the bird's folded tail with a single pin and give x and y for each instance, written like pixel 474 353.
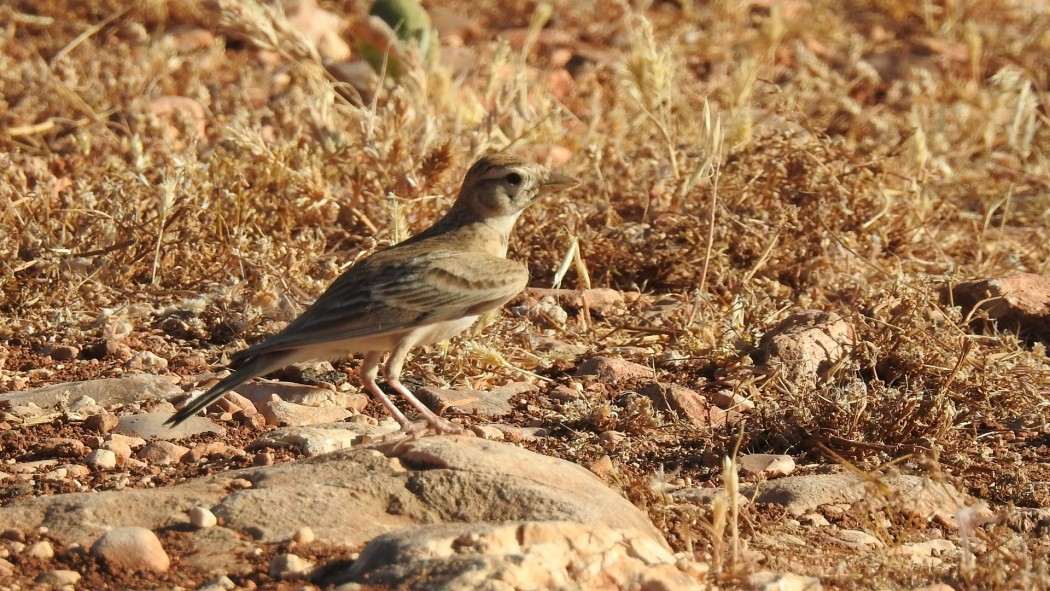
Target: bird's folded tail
pixel 254 367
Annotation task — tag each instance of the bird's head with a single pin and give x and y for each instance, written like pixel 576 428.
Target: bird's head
pixel 502 185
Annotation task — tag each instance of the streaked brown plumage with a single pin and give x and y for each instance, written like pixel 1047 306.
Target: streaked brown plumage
pixel 420 291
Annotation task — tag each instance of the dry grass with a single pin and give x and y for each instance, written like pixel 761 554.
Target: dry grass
pixel 743 159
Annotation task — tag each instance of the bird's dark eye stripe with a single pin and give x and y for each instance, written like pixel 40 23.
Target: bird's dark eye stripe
pixel 514 178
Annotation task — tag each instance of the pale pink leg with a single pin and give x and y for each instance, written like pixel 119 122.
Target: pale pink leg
pixel 369 373
pixel 392 373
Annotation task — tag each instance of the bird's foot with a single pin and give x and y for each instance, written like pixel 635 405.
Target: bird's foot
pixel 433 427
pixel 416 431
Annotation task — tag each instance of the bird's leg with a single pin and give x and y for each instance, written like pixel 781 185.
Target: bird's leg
pixel 369 373
pixel 435 422
pixel 392 373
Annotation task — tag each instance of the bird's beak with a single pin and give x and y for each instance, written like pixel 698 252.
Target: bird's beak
pixel 557 181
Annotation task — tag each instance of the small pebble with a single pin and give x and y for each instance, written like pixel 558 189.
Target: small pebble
pixel 611 439
pixel 220 582
pixel 815 519
pixel 64 352
pixel 57 474
pixel 602 467
pixel 240 484
pixel 103 422
pixel 76 470
pixel 131 549
pixel 41 549
pixel 13 534
pixel 489 432
pixel 304 535
pixel 59 447
pixel 101 458
pixel 85 406
pixel 147 361
pixel 289 566
pixel 119 448
pixel 201 452
pixel 162 453
pixel 59 578
pixel 202 517
pixel 130 441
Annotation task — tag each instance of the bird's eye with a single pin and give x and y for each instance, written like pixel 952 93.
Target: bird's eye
pixel 514 178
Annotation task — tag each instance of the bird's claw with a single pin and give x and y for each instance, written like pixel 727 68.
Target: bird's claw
pixel 415 431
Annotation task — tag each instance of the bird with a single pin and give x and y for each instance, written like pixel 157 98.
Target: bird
pixel 421 291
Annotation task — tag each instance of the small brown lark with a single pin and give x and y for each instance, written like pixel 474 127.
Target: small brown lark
pixel 421 291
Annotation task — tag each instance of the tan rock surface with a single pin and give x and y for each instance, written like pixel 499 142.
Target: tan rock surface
pixel 1018 302
pixel 105 392
pixel 151 425
pixel 517 555
pixel 353 495
pixel 492 403
pixel 805 345
pixel 913 495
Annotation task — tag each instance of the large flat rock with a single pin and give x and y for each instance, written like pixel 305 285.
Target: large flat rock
pixel 516 555
pixel 353 495
pixel 105 392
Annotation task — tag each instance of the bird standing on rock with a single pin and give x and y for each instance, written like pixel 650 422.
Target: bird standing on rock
pixel 421 291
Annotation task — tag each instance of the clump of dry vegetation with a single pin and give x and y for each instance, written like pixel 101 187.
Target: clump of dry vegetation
pixel 189 175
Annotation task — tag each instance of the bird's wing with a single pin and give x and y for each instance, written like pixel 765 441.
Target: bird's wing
pixel 395 295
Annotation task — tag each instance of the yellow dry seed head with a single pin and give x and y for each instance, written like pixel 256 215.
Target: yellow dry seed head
pixel 443 97
pixel 741 113
pixel 165 199
pixel 712 146
pixel 500 58
pixel 918 149
pixel 731 480
pixel 648 71
pixel 974 48
pixel 469 111
pixel 490 358
pixel 540 17
pixel 308 181
pixel 486 320
pixel 1025 118
pixel 398 223
pixel 248 19
pixel 528 359
pixel 719 518
pixel 268 28
pixel 660 482
pixel 139 162
pixel 773 28
pixel 246 137
pixel 168 188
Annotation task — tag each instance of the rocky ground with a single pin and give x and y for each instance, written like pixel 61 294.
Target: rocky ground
pixel 286 483
pixel 789 333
